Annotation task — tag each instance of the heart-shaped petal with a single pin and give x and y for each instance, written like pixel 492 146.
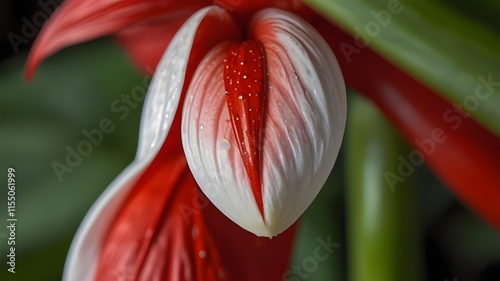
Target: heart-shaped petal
pixel 304 120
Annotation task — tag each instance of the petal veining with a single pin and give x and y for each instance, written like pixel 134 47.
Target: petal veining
pixel 302 131
pixel 245 88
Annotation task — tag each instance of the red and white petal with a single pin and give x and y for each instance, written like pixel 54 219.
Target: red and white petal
pixel 210 145
pixel 303 126
pixel 306 114
pixel 159 111
pixel 77 21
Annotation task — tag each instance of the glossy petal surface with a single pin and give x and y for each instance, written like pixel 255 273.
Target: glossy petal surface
pixel 162 100
pixel 246 90
pixel 302 131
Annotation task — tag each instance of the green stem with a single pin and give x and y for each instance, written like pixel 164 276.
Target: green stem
pixel 382 233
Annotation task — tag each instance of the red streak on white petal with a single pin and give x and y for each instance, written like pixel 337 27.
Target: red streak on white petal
pixel 245 85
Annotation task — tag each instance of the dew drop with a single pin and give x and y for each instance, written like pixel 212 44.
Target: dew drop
pixel 245 77
pixel 202 127
pixel 240 97
pixel 224 145
pixel 202 254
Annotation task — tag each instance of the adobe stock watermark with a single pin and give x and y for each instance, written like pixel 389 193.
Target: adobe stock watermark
pixel 121 108
pixel 31 27
pixel 310 264
pixel 363 36
pixel 198 203
pixel 454 118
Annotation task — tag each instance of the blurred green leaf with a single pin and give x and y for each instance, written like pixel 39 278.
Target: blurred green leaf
pixel 450 46
pixel 381 211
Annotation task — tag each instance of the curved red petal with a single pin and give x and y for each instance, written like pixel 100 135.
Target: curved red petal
pixel 247 257
pixel 168 230
pixel 159 235
pixel 145 44
pixel 245 86
pixel 460 151
pixel 243 9
pixel 77 21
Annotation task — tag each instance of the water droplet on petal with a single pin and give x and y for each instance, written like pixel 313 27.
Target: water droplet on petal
pixel 202 127
pixel 224 145
pixel 202 254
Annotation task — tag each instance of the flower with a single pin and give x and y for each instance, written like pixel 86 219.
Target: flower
pixel 115 229
pixel 262 154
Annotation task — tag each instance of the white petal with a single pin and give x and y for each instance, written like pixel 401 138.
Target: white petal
pixel 306 115
pixel 302 133
pixel 159 111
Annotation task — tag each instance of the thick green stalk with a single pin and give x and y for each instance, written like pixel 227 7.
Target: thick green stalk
pixel 382 236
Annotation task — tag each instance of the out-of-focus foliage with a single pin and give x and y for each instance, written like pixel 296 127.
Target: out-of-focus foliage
pixel 72 92
pixel 446 44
